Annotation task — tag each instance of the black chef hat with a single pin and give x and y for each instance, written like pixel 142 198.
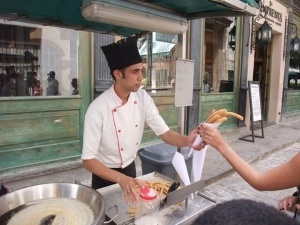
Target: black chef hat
pixel 122 54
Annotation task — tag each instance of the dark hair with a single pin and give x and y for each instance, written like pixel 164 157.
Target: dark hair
pixel 243 212
pixel 74 83
pixel 121 70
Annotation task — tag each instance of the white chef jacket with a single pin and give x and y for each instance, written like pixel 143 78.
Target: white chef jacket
pixel 113 132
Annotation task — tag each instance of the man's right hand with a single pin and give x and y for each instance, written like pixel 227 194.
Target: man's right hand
pixel 128 186
pixel 126 183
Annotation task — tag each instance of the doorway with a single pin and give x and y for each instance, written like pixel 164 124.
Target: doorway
pixel 261 74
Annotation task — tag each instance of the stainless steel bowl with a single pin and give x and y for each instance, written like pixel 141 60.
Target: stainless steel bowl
pixel 83 193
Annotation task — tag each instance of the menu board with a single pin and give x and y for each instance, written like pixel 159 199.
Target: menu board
pixel 184 82
pixel 254 91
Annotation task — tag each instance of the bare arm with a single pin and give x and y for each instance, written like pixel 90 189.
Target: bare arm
pixel 281 177
pixel 126 183
pixel 173 138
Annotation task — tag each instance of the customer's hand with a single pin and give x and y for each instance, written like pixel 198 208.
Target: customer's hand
pixel 289 204
pixel 211 136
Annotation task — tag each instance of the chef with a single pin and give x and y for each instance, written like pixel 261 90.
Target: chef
pixel 114 122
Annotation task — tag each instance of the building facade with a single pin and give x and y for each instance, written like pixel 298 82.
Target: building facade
pixel 291 102
pixel 43 134
pixel 266 63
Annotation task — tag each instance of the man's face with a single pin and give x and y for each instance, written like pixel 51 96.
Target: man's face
pixel 50 78
pixel 131 77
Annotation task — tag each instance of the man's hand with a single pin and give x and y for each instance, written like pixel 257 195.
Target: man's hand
pixel 191 139
pixel 128 186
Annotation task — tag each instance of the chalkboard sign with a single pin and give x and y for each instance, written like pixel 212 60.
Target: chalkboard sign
pixel 184 82
pixel 254 92
pixel 255 110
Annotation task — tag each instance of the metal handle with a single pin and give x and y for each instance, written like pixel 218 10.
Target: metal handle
pixel 117 213
pixel 174 186
pixel 186 203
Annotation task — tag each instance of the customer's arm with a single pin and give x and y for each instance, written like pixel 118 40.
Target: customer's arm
pixel 281 177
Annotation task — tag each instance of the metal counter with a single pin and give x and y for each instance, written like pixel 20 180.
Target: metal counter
pixel 179 213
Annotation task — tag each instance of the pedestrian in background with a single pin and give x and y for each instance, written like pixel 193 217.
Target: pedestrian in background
pixel 16 86
pixel 37 89
pixel 75 86
pixel 3 80
pixel 53 84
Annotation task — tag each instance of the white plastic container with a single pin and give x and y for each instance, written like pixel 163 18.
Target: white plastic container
pixel 148 208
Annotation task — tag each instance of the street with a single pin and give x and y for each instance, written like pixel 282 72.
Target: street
pixel 233 186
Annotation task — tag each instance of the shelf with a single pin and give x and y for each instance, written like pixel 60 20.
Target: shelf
pixel 19 45
pixel 10 58
pixel 28 57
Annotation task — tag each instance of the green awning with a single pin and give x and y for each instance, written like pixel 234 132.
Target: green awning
pixel 193 9
pixel 60 13
pixel 67 13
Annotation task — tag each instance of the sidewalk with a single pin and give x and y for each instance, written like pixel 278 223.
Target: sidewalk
pixel 276 137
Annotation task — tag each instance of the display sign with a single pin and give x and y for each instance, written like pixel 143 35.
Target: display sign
pixel 255 110
pixel 184 82
pixel 255 101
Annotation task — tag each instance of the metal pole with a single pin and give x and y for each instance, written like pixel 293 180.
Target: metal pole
pixel 287 63
pixel 149 60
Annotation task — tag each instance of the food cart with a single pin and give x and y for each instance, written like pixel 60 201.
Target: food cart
pixel 182 207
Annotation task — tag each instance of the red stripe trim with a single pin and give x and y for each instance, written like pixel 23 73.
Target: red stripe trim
pixel 117 136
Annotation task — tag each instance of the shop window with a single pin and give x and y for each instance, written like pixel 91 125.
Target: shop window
pixel 167 38
pixel 162 77
pixel 159 75
pixel 38 60
pixel 218 74
pixel 294 80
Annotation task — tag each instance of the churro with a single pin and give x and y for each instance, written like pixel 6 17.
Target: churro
pixel 220 116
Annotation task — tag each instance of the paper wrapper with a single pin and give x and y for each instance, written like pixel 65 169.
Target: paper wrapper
pixel 198 163
pixel 180 166
pixel 199 156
